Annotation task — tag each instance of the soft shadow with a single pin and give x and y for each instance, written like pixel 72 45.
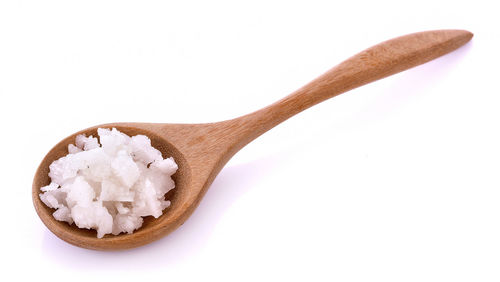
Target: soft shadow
pixel 182 244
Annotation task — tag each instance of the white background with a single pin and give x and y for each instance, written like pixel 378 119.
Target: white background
pixel 394 181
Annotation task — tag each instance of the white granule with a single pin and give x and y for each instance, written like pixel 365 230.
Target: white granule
pixel 109 186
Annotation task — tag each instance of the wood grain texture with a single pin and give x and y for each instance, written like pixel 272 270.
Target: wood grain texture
pixel 201 150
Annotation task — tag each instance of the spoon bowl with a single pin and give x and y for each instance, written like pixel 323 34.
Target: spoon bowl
pixel 151 229
pixel 201 150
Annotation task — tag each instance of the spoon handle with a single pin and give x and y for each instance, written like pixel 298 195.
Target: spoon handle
pixel 374 63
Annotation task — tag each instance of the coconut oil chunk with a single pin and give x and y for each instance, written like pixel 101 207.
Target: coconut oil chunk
pixel 109 183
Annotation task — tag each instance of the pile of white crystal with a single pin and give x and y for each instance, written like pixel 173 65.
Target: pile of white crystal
pixel 109 186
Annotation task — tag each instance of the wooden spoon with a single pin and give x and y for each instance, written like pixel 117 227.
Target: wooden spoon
pixel 201 150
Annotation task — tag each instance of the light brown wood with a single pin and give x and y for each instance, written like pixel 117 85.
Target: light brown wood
pixel 201 150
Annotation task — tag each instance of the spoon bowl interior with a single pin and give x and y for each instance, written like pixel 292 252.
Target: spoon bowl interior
pixel 151 229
